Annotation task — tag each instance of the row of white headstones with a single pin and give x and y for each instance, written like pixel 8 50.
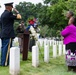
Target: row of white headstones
pixel 58 49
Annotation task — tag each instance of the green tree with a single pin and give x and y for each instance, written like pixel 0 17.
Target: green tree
pixel 52 16
pixel 71 5
pixel 26 9
pixel 16 24
pixel 57 18
pixel 52 1
pixel 44 31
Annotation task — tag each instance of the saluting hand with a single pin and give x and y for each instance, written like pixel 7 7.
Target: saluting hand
pixel 15 10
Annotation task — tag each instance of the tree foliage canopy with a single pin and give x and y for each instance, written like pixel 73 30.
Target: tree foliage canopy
pixel 51 17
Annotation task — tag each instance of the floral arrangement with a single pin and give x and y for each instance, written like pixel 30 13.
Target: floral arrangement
pixel 33 33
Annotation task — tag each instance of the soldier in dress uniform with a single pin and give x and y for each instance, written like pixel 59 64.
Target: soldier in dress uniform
pixel 7 31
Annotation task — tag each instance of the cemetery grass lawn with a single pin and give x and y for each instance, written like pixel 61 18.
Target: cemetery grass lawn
pixel 56 66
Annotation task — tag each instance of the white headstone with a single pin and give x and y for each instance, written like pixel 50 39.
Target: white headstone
pixel 64 51
pixel 60 42
pixel 60 49
pixel 54 51
pixel 41 42
pixel 54 42
pixel 45 42
pixel 35 56
pixel 57 42
pixel 14 66
pixel 50 42
pixel 46 54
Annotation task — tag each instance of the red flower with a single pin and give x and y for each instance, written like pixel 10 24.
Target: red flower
pixel 31 22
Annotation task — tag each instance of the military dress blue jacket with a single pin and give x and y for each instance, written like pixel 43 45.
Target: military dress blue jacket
pixel 7 24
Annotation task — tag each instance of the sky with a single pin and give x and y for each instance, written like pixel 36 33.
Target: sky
pixel 2 2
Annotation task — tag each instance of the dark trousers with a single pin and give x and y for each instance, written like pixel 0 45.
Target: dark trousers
pixel 4 50
pixel 71 46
